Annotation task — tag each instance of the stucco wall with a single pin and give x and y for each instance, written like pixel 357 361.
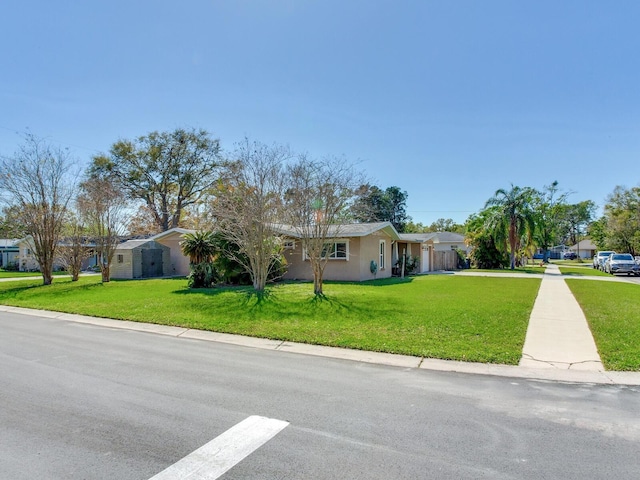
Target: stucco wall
pixel 178 264
pixel 357 268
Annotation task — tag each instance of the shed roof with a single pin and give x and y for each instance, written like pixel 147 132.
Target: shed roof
pixel 131 244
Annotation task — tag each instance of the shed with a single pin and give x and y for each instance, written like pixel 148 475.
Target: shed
pixel 141 259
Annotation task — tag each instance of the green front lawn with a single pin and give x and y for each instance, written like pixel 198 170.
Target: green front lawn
pixel 529 269
pixel 463 318
pixel 587 271
pixel 613 312
pixel 13 274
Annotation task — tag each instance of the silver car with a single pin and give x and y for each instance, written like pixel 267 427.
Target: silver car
pixel 622 263
pixel 600 258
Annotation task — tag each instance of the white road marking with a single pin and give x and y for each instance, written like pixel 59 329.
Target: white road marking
pixel 223 452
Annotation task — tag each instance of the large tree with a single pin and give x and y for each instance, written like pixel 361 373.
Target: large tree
pixel 167 171
pixel 622 220
pixel 247 206
pixel 372 204
pixel 573 220
pixel 38 182
pixel 317 197
pixel 512 218
pixel 547 205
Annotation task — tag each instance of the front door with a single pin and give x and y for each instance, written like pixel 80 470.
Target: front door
pixel 425 259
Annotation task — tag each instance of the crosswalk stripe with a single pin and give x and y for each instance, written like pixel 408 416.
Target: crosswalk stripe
pixel 223 452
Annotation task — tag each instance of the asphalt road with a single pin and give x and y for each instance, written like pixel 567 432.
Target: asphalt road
pixel 85 402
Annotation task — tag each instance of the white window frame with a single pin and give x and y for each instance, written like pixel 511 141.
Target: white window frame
pixel 289 244
pixel 382 255
pixel 335 244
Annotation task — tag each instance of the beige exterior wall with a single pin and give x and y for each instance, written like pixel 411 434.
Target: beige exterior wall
pixel 178 263
pixel 356 268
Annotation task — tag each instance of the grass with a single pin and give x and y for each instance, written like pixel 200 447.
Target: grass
pixel 613 312
pixel 528 269
pixel 462 318
pixel 587 271
pixel 14 274
pixel 587 262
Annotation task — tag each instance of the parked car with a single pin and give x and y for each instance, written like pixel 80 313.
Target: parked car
pixel 570 256
pixel 600 258
pixel 622 263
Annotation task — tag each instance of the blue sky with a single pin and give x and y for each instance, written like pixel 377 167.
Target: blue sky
pixel 449 100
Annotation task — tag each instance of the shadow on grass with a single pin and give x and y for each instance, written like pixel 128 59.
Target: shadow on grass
pixel 381 282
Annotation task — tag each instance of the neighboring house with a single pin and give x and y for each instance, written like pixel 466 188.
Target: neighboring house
pixel 354 246
pixel 141 259
pixel 9 252
pixel 27 261
pixel 584 248
pixel 178 263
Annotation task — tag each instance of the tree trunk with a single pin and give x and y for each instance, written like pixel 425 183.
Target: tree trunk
pixel 106 273
pixel 317 280
pixel 46 267
pixel 47 278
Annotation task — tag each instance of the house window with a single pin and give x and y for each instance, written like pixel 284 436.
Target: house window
pixel 383 249
pixel 120 258
pixel 289 245
pixel 334 251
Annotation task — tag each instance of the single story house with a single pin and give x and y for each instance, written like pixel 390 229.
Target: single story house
pixel 27 261
pixel 141 259
pixel 9 252
pixel 584 248
pixel 353 247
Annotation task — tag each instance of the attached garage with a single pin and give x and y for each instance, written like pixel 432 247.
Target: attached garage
pixel 141 259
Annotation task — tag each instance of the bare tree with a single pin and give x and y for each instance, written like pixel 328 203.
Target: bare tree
pixel 248 204
pixel 104 209
pixel 73 248
pixel 315 203
pixel 38 182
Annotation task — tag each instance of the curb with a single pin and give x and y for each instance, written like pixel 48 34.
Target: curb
pixel 546 372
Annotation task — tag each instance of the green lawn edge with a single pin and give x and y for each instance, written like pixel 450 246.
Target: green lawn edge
pixel 476 319
pixel 612 310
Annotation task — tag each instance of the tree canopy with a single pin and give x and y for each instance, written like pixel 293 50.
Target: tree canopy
pixel 372 204
pixel 167 171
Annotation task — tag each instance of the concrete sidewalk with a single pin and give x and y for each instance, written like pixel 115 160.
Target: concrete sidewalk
pixel 558 335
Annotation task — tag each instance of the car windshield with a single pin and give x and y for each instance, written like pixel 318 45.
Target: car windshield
pixel 622 256
pixel 604 254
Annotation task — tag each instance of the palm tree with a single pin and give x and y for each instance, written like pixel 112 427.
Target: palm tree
pixel 512 218
pixel 200 247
